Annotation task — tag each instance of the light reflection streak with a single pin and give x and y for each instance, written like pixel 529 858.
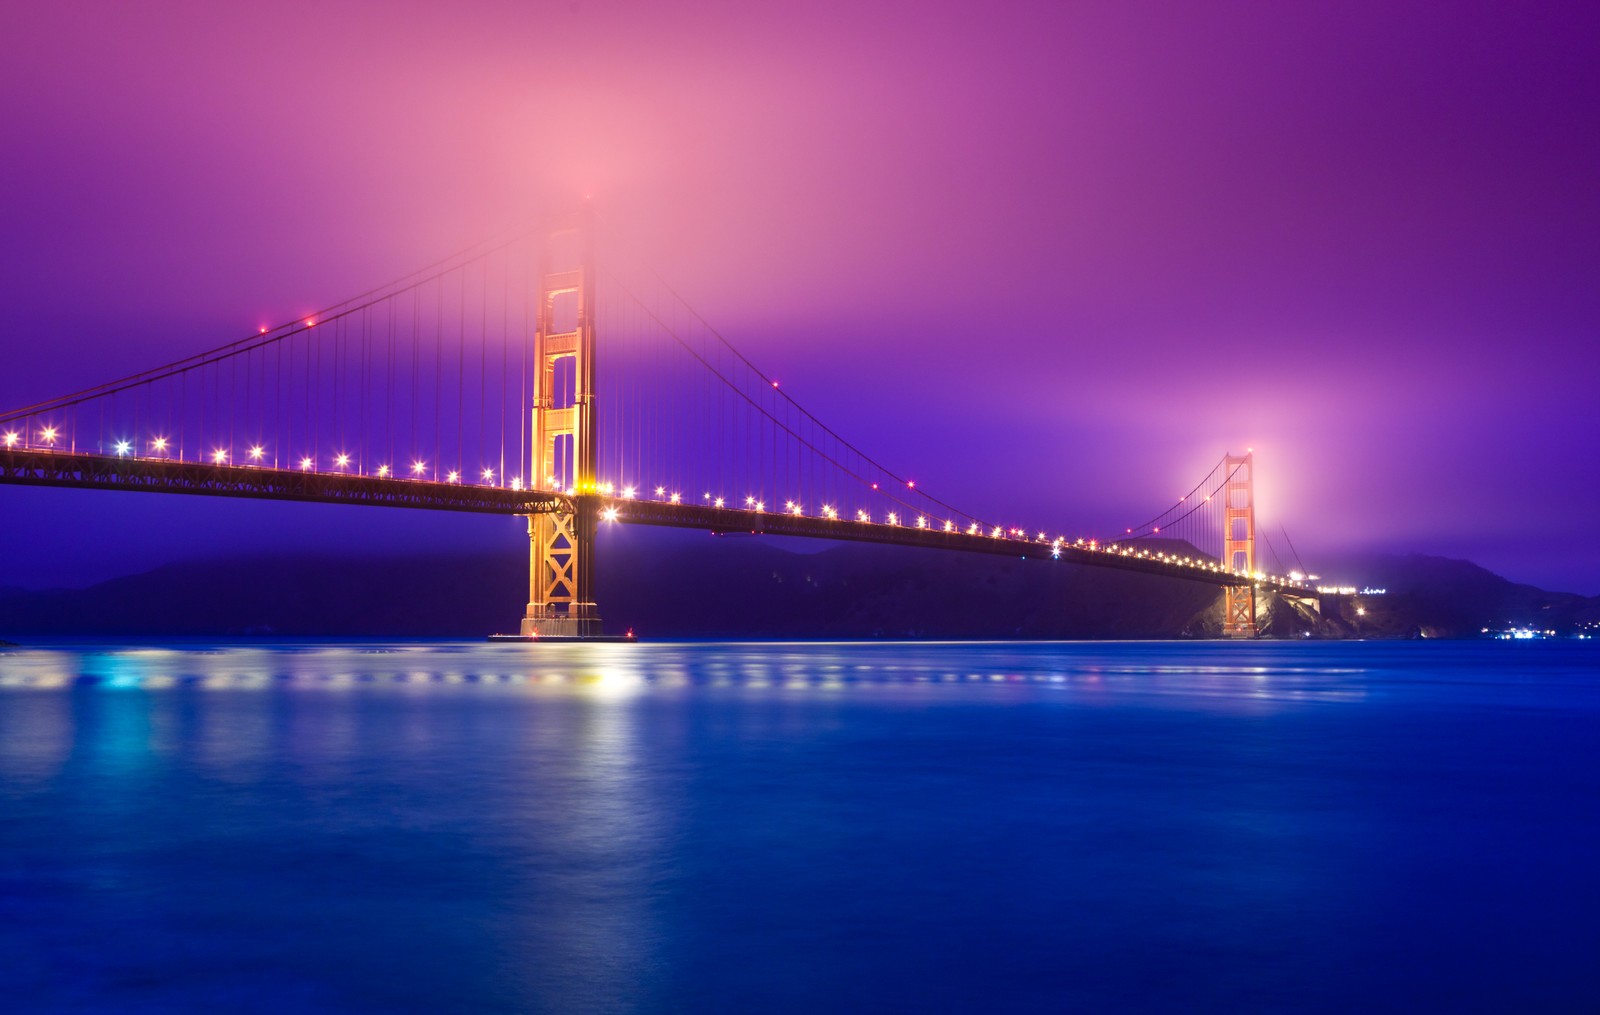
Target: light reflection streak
pixel 618 672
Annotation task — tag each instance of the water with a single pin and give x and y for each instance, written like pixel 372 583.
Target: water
pixel 884 827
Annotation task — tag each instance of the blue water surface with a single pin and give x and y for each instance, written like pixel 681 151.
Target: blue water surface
pixel 800 827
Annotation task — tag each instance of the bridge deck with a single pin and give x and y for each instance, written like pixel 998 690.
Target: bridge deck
pixel 163 475
pixel 152 475
pixel 712 519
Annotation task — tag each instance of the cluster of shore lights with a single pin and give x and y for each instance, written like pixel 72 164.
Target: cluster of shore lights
pixel 893 519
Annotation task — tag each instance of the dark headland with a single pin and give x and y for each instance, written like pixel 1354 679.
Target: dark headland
pixel 760 588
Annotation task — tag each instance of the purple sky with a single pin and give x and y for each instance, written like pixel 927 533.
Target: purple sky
pixel 1053 260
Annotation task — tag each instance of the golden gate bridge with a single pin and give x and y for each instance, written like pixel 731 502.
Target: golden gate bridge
pixel 476 385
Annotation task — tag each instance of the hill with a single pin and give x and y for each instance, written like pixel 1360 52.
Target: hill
pixel 727 587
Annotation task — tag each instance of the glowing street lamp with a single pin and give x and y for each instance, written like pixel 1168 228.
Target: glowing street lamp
pixel 220 456
pixel 123 447
pixel 256 451
pixel 342 460
pixel 418 468
pixel 48 434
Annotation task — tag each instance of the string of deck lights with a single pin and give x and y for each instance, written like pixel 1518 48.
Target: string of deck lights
pixel 756 506
pixel 50 436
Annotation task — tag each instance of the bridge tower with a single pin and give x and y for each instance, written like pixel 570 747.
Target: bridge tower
pixel 561 554
pixel 1239 544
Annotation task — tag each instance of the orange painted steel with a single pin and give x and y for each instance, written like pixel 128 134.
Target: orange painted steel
pixel 1239 544
pixel 561 600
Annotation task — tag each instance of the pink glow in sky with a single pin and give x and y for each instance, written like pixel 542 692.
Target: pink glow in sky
pixel 1054 258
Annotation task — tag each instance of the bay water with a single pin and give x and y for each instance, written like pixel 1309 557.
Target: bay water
pixel 800 827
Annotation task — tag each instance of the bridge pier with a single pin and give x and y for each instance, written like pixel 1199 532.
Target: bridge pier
pixel 1239 611
pixel 561 574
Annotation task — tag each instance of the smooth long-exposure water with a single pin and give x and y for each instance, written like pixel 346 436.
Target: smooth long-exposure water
pixel 800 827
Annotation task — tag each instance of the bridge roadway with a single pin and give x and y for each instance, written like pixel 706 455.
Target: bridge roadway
pixel 777 523
pixel 86 470
pixel 83 470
